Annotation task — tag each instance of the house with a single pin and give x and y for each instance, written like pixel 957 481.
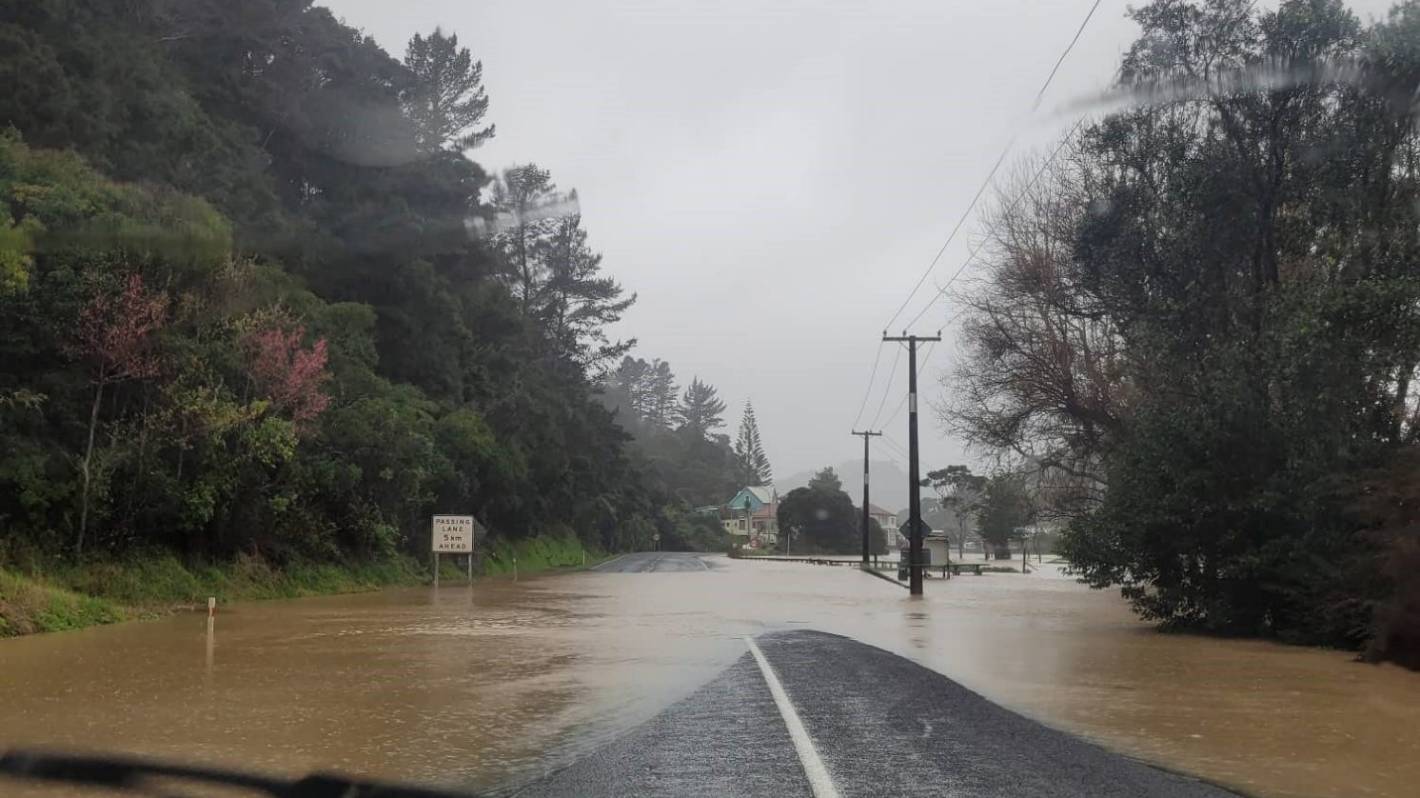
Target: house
pixel 752 517
pixel 885 518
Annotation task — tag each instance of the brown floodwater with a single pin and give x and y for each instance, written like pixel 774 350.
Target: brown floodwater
pixel 480 686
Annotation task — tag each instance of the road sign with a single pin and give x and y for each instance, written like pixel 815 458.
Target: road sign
pixel 453 534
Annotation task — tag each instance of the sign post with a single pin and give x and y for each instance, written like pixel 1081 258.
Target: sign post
pixel 452 534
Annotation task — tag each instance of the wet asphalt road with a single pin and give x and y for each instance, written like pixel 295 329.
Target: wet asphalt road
pixel 880 725
pixel 653 561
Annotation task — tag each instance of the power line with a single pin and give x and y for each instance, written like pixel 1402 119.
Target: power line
pixel 1071 46
pixel 1030 186
pixel 926 356
pixel 892 373
pixel 871 378
pixel 991 175
pixel 897 448
pixel 955 229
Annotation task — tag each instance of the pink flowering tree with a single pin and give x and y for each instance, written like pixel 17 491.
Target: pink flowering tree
pixel 287 373
pixel 116 337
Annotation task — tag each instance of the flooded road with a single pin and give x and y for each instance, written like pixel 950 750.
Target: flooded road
pixel 504 681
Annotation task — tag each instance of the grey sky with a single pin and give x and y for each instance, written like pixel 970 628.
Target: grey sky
pixel 773 178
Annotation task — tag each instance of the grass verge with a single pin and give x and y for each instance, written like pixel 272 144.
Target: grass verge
pixel 60 597
pixel 64 596
pixel 29 605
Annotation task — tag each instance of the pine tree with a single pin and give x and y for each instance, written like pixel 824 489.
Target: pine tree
pixel 749 451
pixel 520 197
pixel 447 100
pixel 579 301
pixel 662 390
pixel 701 408
pixel 649 389
pixel 629 382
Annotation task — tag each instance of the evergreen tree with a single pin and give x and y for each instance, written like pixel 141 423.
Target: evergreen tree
pixel 661 391
pixel 579 301
pixel 701 409
pixel 522 197
pixel 446 101
pixel 826 481
pixel 749 451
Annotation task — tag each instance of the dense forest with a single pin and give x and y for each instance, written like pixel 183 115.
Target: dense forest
pixel 1200 322
pixel 256 296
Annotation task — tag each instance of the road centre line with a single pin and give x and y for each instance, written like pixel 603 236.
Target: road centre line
pixel 819 780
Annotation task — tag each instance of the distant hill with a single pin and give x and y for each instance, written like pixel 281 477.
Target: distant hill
pixel 887 490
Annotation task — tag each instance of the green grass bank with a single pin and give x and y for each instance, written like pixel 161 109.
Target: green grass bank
pixel 59 596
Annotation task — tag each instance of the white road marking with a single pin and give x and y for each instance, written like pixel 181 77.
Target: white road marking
pixel 819 781
pixel 602 565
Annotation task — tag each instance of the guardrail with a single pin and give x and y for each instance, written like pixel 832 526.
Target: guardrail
pixel 881 565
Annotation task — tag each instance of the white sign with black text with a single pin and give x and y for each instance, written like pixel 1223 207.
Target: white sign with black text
pixel 453 534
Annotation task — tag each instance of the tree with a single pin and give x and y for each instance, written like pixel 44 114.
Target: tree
pixel 1205 327
pixel 525 200
pixel 749 451
pixel 701 409
pixel 879 539
pixel 427 367
pixel 625 389
pixel 684 465
pixel 826 521
pixel 1005 510
pixel 826 481
pixel 116 339
pixel 960 495
pixel 446 99
pixel 554 275
pixel 648 391
pixel 661 392
pixel 580 302
pixel 289 375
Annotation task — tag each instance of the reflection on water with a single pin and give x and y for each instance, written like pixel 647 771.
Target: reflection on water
pixel 478 686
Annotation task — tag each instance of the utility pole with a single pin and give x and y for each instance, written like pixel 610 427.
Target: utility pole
pixel 914 488
pixel 866 436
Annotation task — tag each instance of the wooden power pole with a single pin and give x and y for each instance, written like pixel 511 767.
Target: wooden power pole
pixel 914 488
pixel 866 436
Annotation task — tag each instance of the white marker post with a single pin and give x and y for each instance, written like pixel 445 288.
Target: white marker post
pixel 452 534
pixel 211 631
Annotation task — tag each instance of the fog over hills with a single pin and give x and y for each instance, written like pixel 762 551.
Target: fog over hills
pixel 887 490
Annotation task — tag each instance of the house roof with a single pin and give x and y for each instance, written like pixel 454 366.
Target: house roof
pixel 764 493
pixel 756 495
pixel 873 509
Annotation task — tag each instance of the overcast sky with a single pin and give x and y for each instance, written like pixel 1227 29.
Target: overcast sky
pixel 772 178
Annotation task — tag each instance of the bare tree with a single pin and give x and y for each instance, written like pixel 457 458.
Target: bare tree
pixel 1043 376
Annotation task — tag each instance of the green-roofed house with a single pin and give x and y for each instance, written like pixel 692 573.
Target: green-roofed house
pixel 752 517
